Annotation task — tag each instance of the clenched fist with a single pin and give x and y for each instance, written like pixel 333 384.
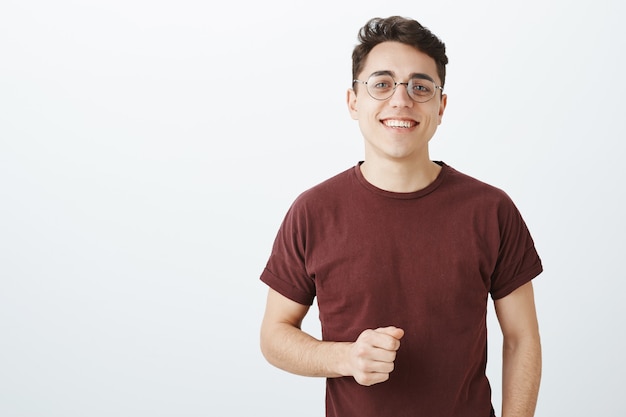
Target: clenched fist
pixel 372 355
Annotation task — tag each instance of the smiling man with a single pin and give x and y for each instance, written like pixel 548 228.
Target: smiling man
pixel 402 254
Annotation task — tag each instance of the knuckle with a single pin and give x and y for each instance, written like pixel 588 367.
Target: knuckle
pixel 367 335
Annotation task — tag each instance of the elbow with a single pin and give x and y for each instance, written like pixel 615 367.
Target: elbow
pixel 264 343
pixel 524 353
pixel 530 341
pixel 267 344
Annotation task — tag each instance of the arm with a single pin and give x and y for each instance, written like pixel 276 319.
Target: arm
pixel 286 346
pixel 521 361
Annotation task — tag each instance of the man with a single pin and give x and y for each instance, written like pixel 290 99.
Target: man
pixel 402 254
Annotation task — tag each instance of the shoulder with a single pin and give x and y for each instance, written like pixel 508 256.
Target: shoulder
pixel 327 190
pixel 465 184
pixel 478 198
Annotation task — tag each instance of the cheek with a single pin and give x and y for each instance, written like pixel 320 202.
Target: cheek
pixel 436 112
pixel 364 112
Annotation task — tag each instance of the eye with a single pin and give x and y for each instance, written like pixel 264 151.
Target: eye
pixel 422 87
pixel 381 83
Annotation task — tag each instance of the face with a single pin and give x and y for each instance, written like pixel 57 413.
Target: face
pixel 397 128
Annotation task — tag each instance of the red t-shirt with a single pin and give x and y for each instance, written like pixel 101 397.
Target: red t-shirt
pixel 425 262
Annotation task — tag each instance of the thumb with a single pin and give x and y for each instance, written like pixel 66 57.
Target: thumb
pixel 392 331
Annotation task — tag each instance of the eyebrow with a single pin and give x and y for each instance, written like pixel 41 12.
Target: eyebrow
pixel 419 75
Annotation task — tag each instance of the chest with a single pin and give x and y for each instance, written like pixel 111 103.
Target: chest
pixel 410 262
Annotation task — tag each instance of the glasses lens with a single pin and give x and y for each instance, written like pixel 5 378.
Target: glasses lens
pixel 380 87
pixel 421 89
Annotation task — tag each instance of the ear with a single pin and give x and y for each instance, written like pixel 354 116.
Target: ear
pixel 442 106
pixel 351 101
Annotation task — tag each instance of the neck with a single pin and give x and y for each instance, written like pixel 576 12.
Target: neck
pixel 398 177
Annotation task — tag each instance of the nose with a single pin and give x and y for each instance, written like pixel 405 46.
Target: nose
pixel 400 96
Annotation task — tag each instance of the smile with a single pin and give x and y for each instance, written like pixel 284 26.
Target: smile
pixel 402 124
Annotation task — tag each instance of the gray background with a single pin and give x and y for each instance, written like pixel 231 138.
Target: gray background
pixel 149 150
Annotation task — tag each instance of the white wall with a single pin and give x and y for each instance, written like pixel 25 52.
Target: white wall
pixel 146 162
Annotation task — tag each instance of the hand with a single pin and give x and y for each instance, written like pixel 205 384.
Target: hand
pixel 372 355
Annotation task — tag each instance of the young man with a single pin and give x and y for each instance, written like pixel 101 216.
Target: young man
pixel 402 254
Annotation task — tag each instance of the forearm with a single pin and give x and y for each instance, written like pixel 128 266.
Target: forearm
pixel 289 348
pixel 521 375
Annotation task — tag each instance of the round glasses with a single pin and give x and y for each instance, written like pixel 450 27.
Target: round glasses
pixel 420 87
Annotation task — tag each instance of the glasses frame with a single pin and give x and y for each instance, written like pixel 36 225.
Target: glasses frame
pixel 395 85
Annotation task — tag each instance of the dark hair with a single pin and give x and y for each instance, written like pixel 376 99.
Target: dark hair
pixel 403 30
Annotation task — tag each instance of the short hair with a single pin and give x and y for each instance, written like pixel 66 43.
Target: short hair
pixel 403 30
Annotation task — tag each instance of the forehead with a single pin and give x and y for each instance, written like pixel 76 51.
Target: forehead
pixel 400 59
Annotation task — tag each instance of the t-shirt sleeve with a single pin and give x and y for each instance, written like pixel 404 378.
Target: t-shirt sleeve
pixel 286 271
pixel 518 260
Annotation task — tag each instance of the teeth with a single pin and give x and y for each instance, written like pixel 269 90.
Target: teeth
pixel 398 123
